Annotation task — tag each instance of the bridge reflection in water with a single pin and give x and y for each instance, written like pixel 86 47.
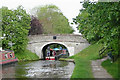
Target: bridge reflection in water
pixel 38 69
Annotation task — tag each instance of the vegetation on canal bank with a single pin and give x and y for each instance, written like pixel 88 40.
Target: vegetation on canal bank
pixel 112 68
pixel 100 21
pixel 15 28
pixel 83 63
pixel 26 55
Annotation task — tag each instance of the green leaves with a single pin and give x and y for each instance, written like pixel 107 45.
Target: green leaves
pixel 15 26
pixel 52 20
pixel 100 21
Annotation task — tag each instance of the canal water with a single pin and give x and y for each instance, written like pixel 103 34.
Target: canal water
pixel 38 69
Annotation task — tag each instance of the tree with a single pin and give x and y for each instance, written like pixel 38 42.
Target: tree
pixel 15 27
pixel 36 27
pixel 100 21
pixel 0 28
pixel 52 20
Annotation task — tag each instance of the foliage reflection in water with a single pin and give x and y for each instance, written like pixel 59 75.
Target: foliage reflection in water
pixel 38 69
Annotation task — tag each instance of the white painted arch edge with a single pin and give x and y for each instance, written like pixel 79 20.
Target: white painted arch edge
pixel 70 49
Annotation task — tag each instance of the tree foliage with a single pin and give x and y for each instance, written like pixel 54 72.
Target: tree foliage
pixel 36 27
pixel 52 19
pixel 0 27
pixel 100 21
pixel 15 27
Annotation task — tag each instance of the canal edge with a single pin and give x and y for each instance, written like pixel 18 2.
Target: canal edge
pixel 67 60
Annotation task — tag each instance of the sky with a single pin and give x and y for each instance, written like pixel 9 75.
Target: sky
pixel 69 8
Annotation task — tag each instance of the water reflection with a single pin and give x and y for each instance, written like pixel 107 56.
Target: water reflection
pixel 38 69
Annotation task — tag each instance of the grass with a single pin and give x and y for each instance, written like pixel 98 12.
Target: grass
pixel 112 68
pixel 83 61
pixel 26 55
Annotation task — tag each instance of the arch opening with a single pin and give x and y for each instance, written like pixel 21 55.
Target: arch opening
pixel 54 50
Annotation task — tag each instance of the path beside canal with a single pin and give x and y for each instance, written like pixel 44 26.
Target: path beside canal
pixel 98 70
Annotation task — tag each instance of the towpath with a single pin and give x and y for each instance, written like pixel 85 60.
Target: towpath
pixel 98 70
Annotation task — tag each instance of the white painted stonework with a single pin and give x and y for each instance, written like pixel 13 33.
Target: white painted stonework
pixel 74 43
pixel 0 48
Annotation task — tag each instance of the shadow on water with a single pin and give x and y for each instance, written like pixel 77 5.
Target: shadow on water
pixel 38 69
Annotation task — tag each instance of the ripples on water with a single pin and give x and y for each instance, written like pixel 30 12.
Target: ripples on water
pixel 38 69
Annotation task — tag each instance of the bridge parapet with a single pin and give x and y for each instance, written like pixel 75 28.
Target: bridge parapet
pixel 59 38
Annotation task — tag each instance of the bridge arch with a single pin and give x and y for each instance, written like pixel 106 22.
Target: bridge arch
pixel 73 43
pixel 44 47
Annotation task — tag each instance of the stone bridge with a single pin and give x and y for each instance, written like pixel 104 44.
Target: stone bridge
pixel 73 43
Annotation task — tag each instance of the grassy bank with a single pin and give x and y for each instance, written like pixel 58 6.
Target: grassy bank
pixel 26 55
pixel 112 68
pixel 82 61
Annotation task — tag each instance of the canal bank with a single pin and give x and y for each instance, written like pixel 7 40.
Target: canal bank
pixel 66 59
pixel 84 64
pixel 83 59
pixel 26 56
